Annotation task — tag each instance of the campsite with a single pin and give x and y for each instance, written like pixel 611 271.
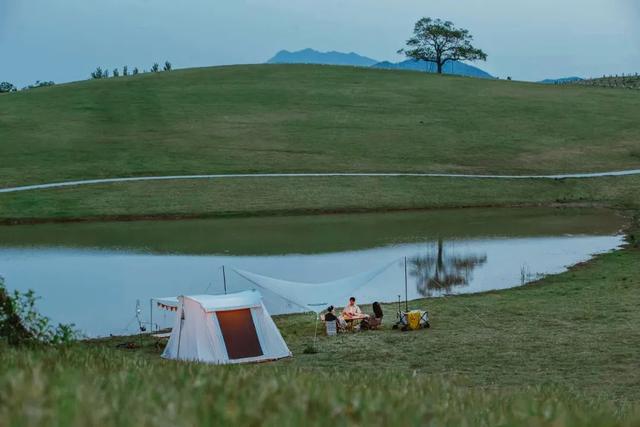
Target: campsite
pixel 429 227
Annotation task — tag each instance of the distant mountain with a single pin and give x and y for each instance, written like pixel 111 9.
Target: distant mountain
pixel 561 80
pixel 311 56
pixel 451 67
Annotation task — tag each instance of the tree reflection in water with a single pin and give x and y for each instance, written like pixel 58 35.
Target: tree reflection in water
pixel 438 272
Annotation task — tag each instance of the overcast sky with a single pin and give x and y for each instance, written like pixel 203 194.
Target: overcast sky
pixel 63 40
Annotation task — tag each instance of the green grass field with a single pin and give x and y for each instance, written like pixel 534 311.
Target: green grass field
pixel 289 118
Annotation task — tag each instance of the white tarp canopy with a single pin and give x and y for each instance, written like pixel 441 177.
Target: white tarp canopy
pixel 223 329
pixel 313 296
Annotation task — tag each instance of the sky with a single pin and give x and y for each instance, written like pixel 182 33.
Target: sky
pixel 64 40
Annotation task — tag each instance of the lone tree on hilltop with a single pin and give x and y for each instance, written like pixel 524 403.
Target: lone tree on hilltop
pixel 439 42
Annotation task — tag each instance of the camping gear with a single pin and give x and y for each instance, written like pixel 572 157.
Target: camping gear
pixel 313 296
pixel 412 320
pixel 375 321
pixel 223 329
pixel 331 328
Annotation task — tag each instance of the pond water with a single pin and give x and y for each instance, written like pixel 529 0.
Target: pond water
pixel 93 274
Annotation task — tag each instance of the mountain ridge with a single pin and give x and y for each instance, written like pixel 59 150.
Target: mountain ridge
pixel 312 56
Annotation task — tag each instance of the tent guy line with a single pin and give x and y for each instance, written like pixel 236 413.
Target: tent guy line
pixel 313 175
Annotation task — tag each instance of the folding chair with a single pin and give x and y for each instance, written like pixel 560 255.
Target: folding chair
pixel 331 328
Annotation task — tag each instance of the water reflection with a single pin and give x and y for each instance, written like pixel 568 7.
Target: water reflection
pixel 438 273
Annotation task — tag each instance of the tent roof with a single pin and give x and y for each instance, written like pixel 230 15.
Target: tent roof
pixel 313 296
pixel 233 301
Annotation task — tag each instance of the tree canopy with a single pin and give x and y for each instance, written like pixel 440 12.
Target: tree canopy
pixel 439 42
pixel 7 87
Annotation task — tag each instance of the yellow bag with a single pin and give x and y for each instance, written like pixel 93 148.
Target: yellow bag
pixel 413 319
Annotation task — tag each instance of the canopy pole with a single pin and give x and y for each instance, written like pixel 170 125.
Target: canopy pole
pixel 315 335
pixel 224 280
pixel 406 293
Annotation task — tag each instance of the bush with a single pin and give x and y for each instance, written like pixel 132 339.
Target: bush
pixel 167 66
pixel 97 74
pixel 20 322
pixel 155 68
pixel 38 84
pixel 7 87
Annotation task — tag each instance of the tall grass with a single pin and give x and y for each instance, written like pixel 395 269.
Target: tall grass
pixel 88 385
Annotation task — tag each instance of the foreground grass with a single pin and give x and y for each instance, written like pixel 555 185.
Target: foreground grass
pixel 560 352
pixel 302 118
pixel 273 196
pixel 101 387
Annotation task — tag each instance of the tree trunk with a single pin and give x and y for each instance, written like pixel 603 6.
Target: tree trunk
pixel 440 66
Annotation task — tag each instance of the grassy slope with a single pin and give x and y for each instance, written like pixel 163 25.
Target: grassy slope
pixel 283 118
pixel 558 353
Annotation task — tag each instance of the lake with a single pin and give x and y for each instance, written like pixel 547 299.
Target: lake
pixel 95 274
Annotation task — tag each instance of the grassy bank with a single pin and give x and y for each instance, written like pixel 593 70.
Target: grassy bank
pixel 302 118
pixel 560 352
pixel 278 196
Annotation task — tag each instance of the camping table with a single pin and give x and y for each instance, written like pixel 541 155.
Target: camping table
pixel 351 321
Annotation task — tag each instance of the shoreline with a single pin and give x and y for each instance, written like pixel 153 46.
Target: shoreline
pixel 630 243
pixel 290 213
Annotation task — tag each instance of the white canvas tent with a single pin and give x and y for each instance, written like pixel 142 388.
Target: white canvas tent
pixel 223 329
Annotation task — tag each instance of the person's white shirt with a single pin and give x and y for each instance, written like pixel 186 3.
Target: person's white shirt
pixel 351 310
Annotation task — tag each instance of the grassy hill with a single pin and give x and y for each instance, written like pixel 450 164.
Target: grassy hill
pixel 289 118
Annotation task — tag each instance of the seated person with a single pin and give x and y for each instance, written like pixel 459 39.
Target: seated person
pixel 330 316
pixel 351 310
pixel 374 321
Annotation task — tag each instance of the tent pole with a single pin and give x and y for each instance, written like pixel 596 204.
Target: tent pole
pixel 315 335
pixel 406 293
pixel 224 280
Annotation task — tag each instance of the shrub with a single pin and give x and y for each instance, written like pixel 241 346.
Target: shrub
pixel 38 84
pixel 97 74
pixel 155 68
pixel 7 87
pixel 20 322
pixel 167 66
